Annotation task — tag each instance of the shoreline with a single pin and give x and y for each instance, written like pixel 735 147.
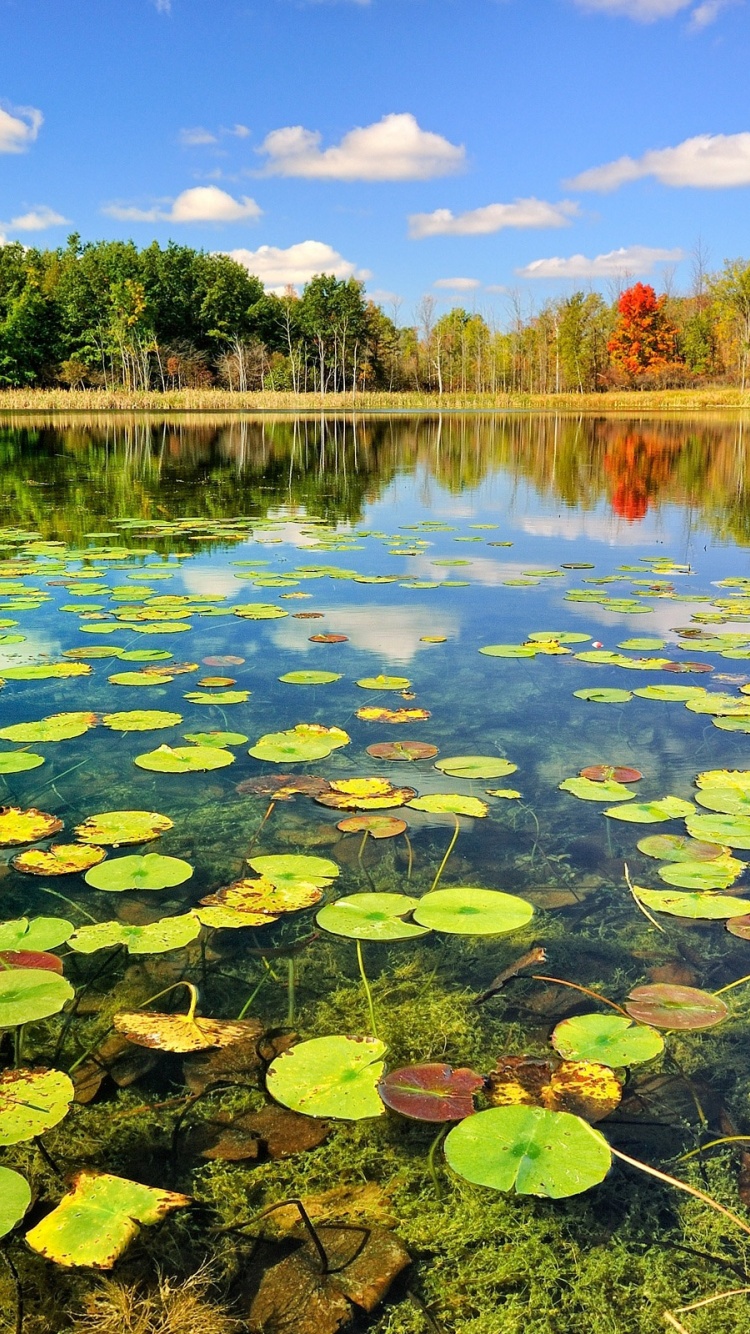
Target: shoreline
pixel 377 403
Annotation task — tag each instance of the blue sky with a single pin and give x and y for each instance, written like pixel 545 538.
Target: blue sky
pixel 461 148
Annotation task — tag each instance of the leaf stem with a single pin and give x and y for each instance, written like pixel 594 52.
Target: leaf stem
pixel 682 1185
pixel 538 977
pixel 366 985
pixel 450 848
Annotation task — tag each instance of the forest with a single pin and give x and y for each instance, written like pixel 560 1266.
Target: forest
pixel 108 315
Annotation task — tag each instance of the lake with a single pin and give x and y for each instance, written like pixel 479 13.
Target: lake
pixel 440 714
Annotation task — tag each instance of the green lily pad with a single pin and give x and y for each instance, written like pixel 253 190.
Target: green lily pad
pixel 450 803
pixel 170 933
pixel 95 1223
pixel 310 678
pixel 465 911
pixel 509 651
pixel 37 934
pixel 216 738
pixel 32 1101
pixel 719 873
pixel 644 645
pixel 384 683
pixel 114 828
pixel 220 697
pixel 604 695
pixel 725 800
pixel 58 727
pixel 677 848
pixel 139 679
pixel 19 761
pixel 371 917
pixel 667 1006
pixel 670 694
pixel 46 671
pixel 651 812
pixel 682 903
pixel 476 766
pixel 15 1198
pixel 151 871
pixel 28 994
pixel 586 790
pixel 259 611
pixel 184 759
pixel 610 1039
pixel 558 637
pixel 738 724
pixel 732 830
pixel 142 654
pixel 330 1076
pixel 303 743
pixel 529 1149
pixel 141 720
pixel 288 869
pixel 719 704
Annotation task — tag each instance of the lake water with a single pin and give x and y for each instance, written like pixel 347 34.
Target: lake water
pixel 225 546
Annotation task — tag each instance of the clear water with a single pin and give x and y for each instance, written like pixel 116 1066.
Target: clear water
pixel 421 500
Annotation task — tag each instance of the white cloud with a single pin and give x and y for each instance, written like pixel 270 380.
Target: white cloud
pixel 634 259
pixel 707 161
pixel 36 220
pixel 644 11
pixel 457 284
pixel 393 149
pixel 390 633
pixel 203 203
pixel 19 127
pixel 492 218
pixel 163 6
pixel 197 137
pixel 278 268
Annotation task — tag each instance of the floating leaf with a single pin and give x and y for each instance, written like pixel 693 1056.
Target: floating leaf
pixel 694 905
pixel 305 742
pixel 732 830
pixel 19 761
pixel 114 828
pixel 28 994
pixel 94 1224
pixel 402 750
pixel 140 720
pixel 32 1101
pixel 151 871
pixel 256 902
pixel 509 650
pixel 47 671
pixel 365 794
pixel 259 611
pixel 138 679
pixel 585 1088
pixel 60 859
pixel 645 645
pixel 330 1077
pixel 601 773
pixel 310 678
pixel 324 639
pixel 610 1039
pixel 670 694
pixel 667 1006
pixel 288 870
pixel 718 873
pixel 725 800
pixel 535 1151
pixel 476 766
pixel 603 695
pixel 450 803
pixel 601 790
pixel 58 727
pixel 431 1092
pixel 472 912
pixel 379 715
pixel 377 826
pixel 220 697
pixel 39 933
pixel 384 683
pixel 184 759
pixel 177 1032
pixel 216 738
pixel 677 848
pixel 15 1198
pixel 18 826
pixel 371 917
pixel 651 812
pixel 737 780
pixel 170 933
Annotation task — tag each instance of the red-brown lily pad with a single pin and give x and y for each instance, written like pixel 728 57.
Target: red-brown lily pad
pixel 665 1006
pixel 31 959
pixel 402 750
pixel 694 667
pixel 431 1092
pixel 329 639
pixel 606 773
pixel 282 787
pixel 377 826
pixel 222 660
pixel 739 926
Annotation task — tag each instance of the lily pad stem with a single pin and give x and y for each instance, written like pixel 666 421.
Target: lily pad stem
pixel 682 1185
pixel 713 1144
pixel 431 1159
pixel 360 854
pixel 258 831
pixel 251 997
pixel 55 894
pixel 730 985
pixel 290 994
pixel 366 985
pixel 450 848
pixel 17 1046
pixel 410 865
pixel 637 901
pixel 307 1221
pixel 19 1290
pixel 558 981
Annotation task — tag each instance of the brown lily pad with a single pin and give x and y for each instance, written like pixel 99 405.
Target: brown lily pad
pixel 663 1005
pixel 117 1059
pixel 739 926
pixel 18 826
pixel 222 660
pixel 31 959
pixel 377 826
pixel 328 639
pixel 584 1088
pixel 283 787
pixel 402 750
pixel 695 667
pixel 177 1032
pixel 238 1063
pixel 273 1132
pixel 60 859
pixel 379 714
pixel 431 1092
pixel 605 773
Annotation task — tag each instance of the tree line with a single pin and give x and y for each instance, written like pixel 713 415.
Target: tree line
pixel 107 315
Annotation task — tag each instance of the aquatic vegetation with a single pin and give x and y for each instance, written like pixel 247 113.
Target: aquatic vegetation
pixel 94 1224
pixel 330 1076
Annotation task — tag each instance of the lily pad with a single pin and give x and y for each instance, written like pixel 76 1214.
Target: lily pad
pixel 95 1223
pixel 140 720
pixel 610 1039
pixel 310 678
pixel 139 679
pixel 476 766
pixel 719 873
pixel 170 933
pixel 601 773
pixel 28 994
pixel 19 761
pixel 18 826
pixel 365 794
pixel 667 1006
pixel 585 1088
pixel 330 1077
pixel 604 695
pixel 32 1101
pixel 60 859
pixel 450 803
pixel 711 907
pixel 381 715
pixel 651 812
pixel 256 902
pixel 472 912
pixel 177 1032
pixel 725 800
pixel 371 917
pixel 384 683
pixel 115 828
pixel 220 697
pixel 47 671
pixel 290 869
pixel 15 1198
pixel 58 727
pixel 732 830
pixel 431 1092
pixel 151 871
pixel 670 694
pixel 216 738
pixel 39 933
pixel 402 750
pixel 605 790
pixel 509 650
pixel 677 848
pixel 377 826
pixel 529 1149
pixel 184 759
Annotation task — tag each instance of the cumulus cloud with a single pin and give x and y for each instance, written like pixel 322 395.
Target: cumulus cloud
pixel 707 161
pixel 395 148
pixel 457 284
pixel 278 268
pixel 634 259
pixel 19 127
pixel 644 11
pixel 199 137
pixel 492 218
pixel 203 203
pixel 36 220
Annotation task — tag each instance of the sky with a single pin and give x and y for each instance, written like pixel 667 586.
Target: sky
pixel 488 153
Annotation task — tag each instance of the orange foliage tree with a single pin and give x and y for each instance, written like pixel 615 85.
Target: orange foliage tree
pixel 645 337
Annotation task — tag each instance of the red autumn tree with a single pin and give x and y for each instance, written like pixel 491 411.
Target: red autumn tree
pixel 645 337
